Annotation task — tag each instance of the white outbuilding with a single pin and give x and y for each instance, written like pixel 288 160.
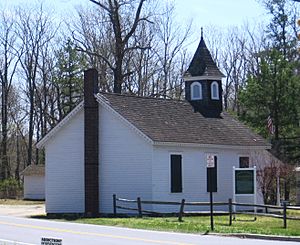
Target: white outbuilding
pixel 34 182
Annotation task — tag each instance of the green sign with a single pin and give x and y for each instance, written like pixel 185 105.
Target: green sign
pixel 244 182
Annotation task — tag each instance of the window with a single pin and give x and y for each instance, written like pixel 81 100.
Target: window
pixel 196 91
pixel 244 162
pixel 212 177
pixel 176 173
pixel 215 91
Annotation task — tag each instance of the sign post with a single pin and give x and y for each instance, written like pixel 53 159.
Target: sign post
pixel 210 164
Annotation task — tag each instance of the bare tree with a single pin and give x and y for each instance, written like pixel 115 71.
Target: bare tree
pixel 34 31
pixel 123 17
pixel 270 173
pixel 93 35
pixel 8 64
pixel 234 64
pixel 171 39
pixel 142 62
pixel 17 141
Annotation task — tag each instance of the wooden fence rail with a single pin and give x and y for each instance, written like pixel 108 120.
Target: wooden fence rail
pixel 139 208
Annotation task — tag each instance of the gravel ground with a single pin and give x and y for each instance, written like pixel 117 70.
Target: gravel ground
pixel 22 210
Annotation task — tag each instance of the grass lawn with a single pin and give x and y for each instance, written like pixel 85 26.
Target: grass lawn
pixel 19 202
pixel 243 224
pixel 294 213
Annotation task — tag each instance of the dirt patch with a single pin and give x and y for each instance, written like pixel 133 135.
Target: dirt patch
pixel 19 202
pixel 22 210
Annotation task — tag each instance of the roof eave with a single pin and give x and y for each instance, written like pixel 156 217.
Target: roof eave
pixel 199 78
pixel 197 145
pixel 53 131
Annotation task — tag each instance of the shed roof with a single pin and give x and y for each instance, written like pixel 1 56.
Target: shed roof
pixel 34 169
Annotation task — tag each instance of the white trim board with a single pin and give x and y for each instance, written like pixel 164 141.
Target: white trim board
pixel 215 146
pixel 53 131
pixel 200 78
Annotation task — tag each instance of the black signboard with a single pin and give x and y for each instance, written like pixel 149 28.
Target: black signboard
pixel 244 182
pixel 212 179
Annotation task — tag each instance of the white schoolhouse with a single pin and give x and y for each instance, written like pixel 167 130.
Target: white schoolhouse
pixel 151 148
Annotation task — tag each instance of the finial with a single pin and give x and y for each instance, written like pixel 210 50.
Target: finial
pixel 201 32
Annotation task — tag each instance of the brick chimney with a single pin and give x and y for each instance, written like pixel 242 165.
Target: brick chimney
pixel 91 143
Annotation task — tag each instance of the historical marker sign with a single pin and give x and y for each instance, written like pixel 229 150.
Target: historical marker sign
pixel 244 181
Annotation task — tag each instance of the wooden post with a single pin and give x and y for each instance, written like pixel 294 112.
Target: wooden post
pixel 230 210
pixel 181 210
pixel 115 205
pixel 139 204
pixel 284 215
pixel 211 211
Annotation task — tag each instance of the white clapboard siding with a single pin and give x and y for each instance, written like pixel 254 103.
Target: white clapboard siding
pixel 125 161
pixel 34 187
pixel 193 176
pixel 130 167
pixel 65 168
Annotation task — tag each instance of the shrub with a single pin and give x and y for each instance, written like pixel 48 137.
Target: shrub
pixel 10 188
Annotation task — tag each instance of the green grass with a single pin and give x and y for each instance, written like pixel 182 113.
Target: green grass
pixel 243 224
pixel 294 213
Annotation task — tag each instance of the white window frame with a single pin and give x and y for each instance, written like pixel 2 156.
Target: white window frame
pixel 211 90
pixel 192 91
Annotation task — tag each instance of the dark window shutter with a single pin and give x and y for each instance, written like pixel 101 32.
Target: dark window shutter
pixel 176 173
pixel 212 178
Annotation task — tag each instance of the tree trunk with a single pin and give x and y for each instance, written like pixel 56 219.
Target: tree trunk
pixel 30 126
pixel 4 159
pixel 17 171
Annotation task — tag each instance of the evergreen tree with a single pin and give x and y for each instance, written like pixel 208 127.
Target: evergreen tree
pixel 69 77
pixel 275 92
pixel 274 88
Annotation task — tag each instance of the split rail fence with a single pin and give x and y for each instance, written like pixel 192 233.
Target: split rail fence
pixel 266 210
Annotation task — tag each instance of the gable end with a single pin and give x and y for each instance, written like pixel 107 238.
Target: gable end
pixel 102 101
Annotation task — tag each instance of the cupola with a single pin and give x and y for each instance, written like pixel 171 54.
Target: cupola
pixel 203 83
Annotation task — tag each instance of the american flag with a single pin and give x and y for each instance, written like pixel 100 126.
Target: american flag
pixel 271 126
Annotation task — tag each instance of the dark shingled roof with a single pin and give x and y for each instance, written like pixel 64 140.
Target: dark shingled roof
pixel 202 63
pixel 175 121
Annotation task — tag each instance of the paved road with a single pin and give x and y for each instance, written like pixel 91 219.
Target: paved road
pixel 30 231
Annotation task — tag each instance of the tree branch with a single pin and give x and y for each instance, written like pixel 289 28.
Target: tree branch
pixel 136 21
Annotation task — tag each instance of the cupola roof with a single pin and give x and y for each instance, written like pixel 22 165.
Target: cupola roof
pixel 202 63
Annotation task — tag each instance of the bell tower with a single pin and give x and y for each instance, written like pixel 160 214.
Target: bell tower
pixel 203 83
